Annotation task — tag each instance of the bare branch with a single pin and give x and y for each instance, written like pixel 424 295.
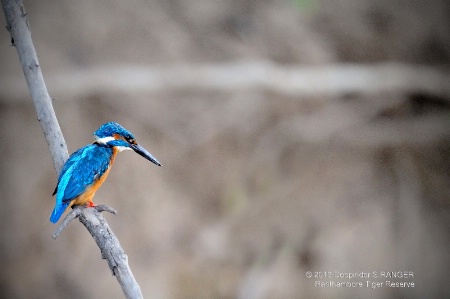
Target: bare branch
pixel 109 245
pixel 17 25
pixel 69 217
pixel 105 208
pixel 110 248
pixel 76 211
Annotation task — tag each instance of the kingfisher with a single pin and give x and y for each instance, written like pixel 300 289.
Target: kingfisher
pixel 87 168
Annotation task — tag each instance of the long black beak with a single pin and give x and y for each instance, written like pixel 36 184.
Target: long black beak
pixel 144 153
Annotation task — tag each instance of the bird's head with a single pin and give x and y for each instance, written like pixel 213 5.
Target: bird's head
pixel 114 135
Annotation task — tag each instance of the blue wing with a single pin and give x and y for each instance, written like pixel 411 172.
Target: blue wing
pixel 72 159
pixel 79 172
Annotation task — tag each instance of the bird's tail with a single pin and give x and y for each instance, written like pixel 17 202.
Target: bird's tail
pixel 58 211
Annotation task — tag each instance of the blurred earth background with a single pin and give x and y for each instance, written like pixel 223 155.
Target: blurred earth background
pixel 261 182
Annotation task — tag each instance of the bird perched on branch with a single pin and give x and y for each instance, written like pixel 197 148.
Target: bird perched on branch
pixel 87 168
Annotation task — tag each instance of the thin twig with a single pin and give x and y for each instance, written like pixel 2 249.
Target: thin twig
pixel 74 213
pixel 105 208
pixel 69 217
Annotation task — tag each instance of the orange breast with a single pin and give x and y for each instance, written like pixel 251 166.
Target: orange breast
pixel 87 195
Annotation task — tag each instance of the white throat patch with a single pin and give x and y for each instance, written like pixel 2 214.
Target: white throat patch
pixel 104 140
pixel 123 148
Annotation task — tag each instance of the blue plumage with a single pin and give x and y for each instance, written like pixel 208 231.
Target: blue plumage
pixel 81 170
pixel 88 167
pixel 111 128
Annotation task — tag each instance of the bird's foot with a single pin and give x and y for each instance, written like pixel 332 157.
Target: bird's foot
pixel 90 204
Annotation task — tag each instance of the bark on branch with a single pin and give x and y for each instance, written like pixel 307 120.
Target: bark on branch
pixel 92 219
pixel 17 25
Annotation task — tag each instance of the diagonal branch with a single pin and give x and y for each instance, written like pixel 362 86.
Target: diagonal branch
pixel 18 27
pixel 76 212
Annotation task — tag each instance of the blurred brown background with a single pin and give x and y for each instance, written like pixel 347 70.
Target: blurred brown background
pixel 259 184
